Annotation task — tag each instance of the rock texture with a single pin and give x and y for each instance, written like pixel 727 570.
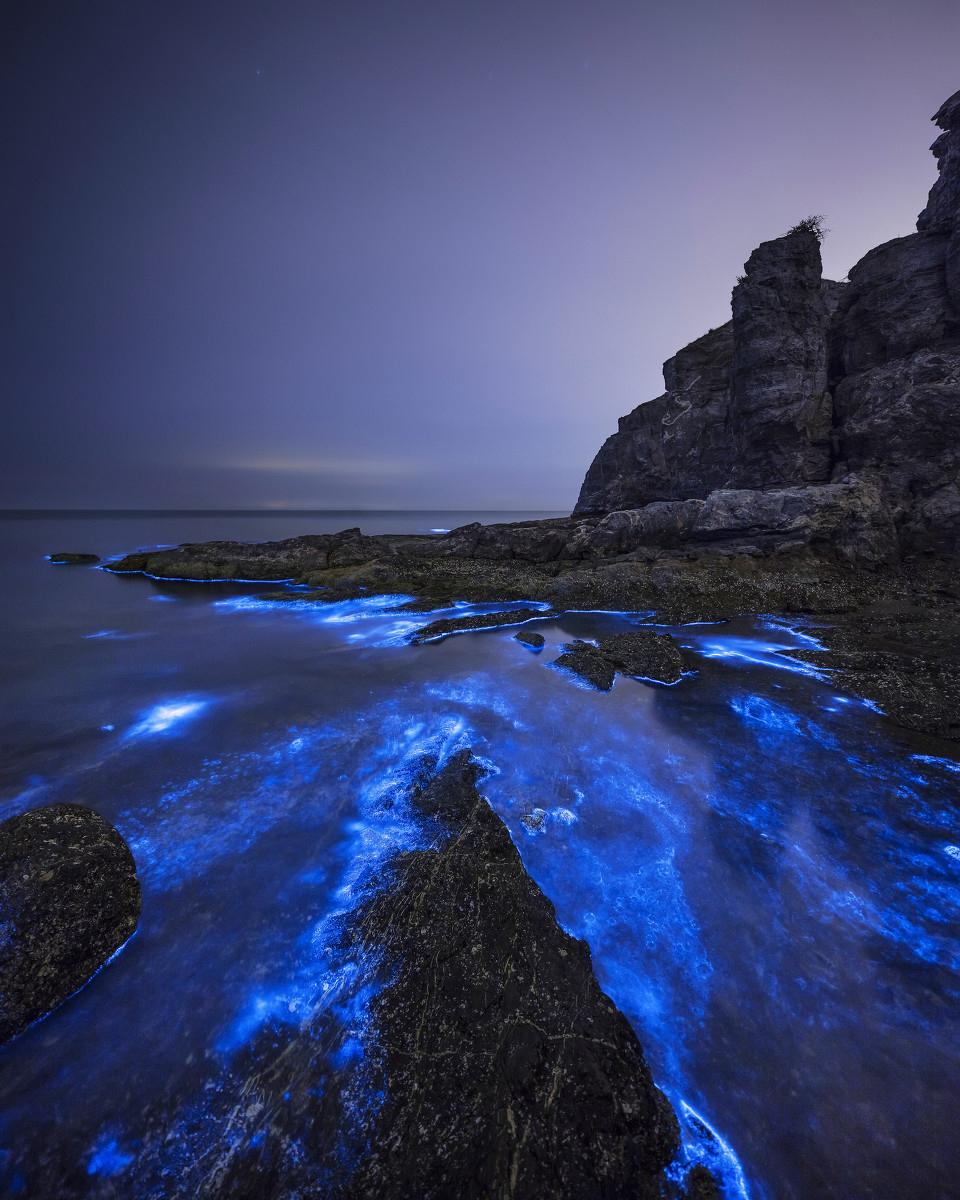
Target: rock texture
pixel 438 630
pixel 533 641
pixel 780 415
pixel 69 898
pixel 506 1070
pixel 647 655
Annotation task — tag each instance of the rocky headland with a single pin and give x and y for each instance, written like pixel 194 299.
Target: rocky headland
pixel 802 459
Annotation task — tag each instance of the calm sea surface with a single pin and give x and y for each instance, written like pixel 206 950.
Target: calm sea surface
pixel 768 877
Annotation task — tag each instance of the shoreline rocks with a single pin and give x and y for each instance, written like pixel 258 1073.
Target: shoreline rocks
pixel 652 657
pixel 69 899
pixel 505 1069
pixel 533 641
pixel 70 559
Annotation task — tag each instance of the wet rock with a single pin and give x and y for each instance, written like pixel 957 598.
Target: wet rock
pixel 70 559
pixel 644 653
pixel 906 662
pixel 701 1185
pixel 535 641
pixel 588 663
pixel 534 820
pixel 506 1070
pixel 69 898
pixel 437 630
pixel 780 411
pixel 267 561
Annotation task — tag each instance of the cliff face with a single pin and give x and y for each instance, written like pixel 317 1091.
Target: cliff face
pixel 814 383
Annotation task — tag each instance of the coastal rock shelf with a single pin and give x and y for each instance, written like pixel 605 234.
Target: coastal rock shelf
pixel 69 899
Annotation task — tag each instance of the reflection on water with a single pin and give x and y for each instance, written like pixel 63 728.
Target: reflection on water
pixel 767 877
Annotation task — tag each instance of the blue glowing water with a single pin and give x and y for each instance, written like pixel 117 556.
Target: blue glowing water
pixel 767 876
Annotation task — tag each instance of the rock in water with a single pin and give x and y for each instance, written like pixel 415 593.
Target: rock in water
pixel 506 1070
pixel 67 558
pixel 586 661
pixel 536 641
pixel 645 653
pixel 69 898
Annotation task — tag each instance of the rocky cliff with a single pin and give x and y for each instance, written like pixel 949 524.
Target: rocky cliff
pixel 813 386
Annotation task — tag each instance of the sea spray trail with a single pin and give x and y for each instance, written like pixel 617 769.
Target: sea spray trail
pixel 765 883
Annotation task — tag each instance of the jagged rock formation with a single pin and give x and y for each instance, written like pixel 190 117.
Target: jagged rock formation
pixel 506 1070
pixel 813 385
pixel 69 898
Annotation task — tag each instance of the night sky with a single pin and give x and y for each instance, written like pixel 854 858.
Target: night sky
pixel 411 254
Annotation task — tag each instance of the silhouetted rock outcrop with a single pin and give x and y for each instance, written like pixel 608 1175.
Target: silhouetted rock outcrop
pixel 811 386
pixel 69 898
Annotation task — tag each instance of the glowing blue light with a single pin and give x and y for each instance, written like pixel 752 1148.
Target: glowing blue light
pixel 702 1143
pixel 953 851
pixel 108 1159
pixel 946 763
pixel 163 717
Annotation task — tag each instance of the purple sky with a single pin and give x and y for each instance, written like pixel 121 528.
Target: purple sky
pixel 409 254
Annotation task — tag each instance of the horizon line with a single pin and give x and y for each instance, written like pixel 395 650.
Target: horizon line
pixel 263 512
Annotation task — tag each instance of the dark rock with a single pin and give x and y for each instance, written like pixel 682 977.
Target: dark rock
pixel 780 411
pixel 664 523
pixel 73 560
pixel 267 561
pixel 534 820
pixel 701 1185
pixel 587 662
pixel 506 1070
pixel 437 630
pixel 898 422
pixel 535 641
pixel 943 203
pixel 905 660
pixel 896 303
pixel 645 653
pixel 850 517
pixel 673 447
pixel 69 898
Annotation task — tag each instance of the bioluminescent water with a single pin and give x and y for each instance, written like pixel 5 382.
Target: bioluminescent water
pixel 767 875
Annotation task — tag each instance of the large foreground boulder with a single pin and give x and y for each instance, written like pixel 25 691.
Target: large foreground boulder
pixel 506 1070
pixel 69 898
